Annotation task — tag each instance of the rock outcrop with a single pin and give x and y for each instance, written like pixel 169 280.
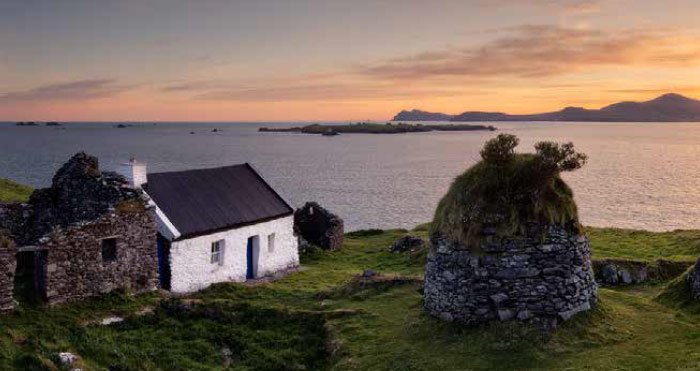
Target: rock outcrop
pixel 317 226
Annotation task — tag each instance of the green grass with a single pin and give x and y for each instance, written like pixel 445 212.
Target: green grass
pixel 627 332
pixel 323 318
pixel 13 192
pixel 677 295
pixel 613 243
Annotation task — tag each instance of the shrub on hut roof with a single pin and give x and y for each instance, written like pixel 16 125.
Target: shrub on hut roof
pixel 506 191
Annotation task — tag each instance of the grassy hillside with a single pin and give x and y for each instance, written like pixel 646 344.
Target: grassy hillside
pixel 13 192
pixel 322 318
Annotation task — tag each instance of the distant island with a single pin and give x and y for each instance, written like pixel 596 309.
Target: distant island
pixel 418 115
pixel 666 108
pixel 371 128
pixel 32 123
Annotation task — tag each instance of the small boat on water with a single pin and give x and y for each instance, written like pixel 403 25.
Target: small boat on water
pixel 330 133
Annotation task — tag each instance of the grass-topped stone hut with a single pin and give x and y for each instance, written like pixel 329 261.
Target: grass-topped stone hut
pixel 506 241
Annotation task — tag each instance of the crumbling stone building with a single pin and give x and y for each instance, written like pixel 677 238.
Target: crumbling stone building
pixel 90 233
pixel 317 226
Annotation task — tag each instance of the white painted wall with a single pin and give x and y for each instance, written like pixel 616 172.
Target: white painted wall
pixel 190 265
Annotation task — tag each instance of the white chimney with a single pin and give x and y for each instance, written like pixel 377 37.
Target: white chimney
pixel 135 172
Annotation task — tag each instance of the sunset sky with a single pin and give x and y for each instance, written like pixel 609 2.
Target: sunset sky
pixel 176 60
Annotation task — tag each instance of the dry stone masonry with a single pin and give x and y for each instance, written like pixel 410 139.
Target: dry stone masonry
pixel 79 192
pixel 505 242
pixel 619 272
pixel 7 271
pixel 317 226
pixel 91 233
pixel 75 266
pixel 530 279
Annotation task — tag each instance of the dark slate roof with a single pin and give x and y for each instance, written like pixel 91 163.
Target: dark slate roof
pixel 207 200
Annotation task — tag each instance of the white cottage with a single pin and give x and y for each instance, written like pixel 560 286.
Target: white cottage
pixel 217 225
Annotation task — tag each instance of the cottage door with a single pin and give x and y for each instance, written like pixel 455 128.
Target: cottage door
pixel 249 259
pixel 164 262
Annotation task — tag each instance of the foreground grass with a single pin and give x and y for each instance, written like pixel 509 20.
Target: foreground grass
pixel 13 192
pixel 319 319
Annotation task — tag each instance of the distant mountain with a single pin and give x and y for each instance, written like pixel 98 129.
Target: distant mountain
pixel 666 108
pixel 418 115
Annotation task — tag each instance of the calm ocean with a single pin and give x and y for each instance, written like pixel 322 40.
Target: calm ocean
pixel 639 175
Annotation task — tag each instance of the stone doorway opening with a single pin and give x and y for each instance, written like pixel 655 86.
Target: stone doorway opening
pixel 29 277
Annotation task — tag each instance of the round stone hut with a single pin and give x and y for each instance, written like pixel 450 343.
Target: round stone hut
pixel 505 242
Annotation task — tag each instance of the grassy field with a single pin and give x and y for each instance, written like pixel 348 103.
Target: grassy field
pixel 321 318
pixel 643 245
pixel 13 192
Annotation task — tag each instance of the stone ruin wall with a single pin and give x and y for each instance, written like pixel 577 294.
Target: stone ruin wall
pixel 620 272
pixel 529 279
pixel 317 226
pixel 74 268
pixel 8 263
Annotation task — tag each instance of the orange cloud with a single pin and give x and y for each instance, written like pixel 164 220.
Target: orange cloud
pixel 324 92
pixel 70 91
pixel 536 51
pixel 565 7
